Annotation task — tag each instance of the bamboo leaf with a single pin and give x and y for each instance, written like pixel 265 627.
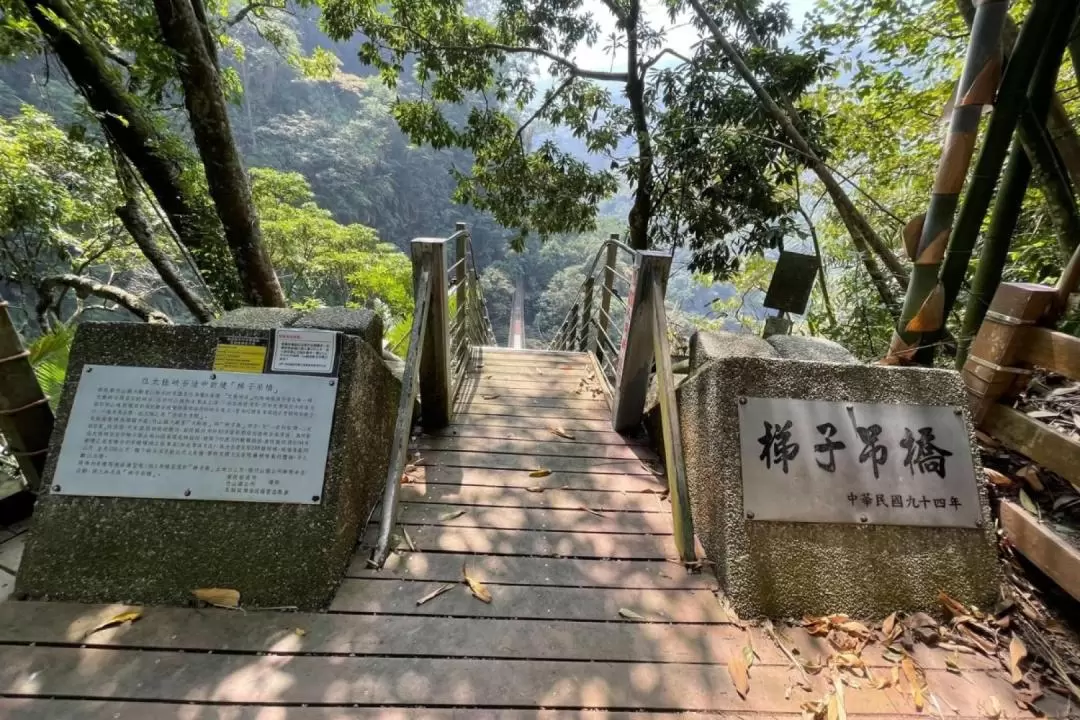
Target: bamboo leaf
pixel 475 586
pixel 630 614
pixel 1017 653
pixel 740 676
pixel 539 473
pixel 219 597
pixel 124 618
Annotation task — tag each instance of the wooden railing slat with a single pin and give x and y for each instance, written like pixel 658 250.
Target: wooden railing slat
pixel 1052 350
pixel 1031 438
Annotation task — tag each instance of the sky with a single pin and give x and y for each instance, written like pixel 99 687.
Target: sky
pixel 681 37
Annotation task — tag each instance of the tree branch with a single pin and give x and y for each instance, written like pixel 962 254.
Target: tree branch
pixel 248 9
pixel 540 110
pixel 84 286
pixel 570 67
pixel 666 51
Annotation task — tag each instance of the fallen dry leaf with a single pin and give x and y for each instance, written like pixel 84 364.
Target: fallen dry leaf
pixel 1017 653
pixel 992 708
pixel 888 625
pixel 838 698
pixel 1030 474
pixel 299 632
pixel 954 607
pixel 535 488
pixel 740 676
pixel 490 397
pixel 122 619
pixel 1028 504
pixel 561 432
pixel 451 515
pixel 952 663
pixel 591 511
pixel 855 628
pixel 475 586
pixel 997 478
pixel 219 597
pixel 914 681
pixel 539 473
pixel 435 593
pixel 630 614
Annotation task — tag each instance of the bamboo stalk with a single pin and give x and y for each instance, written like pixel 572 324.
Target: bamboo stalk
pixel 927 238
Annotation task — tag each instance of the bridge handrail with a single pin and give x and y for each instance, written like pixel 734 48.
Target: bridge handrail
pixel 626 361
pixel 448 320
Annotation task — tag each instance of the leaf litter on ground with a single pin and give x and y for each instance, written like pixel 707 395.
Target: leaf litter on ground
pixel 475 586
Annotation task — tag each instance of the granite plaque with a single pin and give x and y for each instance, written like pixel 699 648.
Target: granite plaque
pixel 197 435
pixel 835 462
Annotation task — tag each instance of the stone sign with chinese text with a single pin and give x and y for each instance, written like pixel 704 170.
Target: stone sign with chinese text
pixel 892 464
pixel 197 435
pixel 133 445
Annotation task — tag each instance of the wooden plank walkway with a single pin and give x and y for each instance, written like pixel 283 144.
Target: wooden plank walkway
pixel 589 618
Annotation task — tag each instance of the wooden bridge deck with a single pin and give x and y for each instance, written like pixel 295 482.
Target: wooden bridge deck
pixel 589 616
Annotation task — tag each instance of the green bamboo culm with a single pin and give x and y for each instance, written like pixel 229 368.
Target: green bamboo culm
pixel 926 237
pixel 1010 102
pixel 995 249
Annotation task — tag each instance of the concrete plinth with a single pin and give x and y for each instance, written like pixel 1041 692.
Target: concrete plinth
pixel 156 551
pixel 787 569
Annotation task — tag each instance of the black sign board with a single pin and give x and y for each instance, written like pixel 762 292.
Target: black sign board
pixel 792 281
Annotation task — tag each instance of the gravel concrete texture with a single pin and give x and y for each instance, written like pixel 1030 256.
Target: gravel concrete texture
pixel 710 345
pixel 257 318
pixel 362 322
pixel 144 551
pixel 797 347
pixel 778 569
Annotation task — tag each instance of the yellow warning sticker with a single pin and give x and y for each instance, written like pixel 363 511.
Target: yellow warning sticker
pixel 240 358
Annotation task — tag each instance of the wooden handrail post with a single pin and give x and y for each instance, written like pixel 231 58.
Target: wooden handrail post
pixel 586 316
pixel 26 420
pixel 605 293
pixel 636 351
pixel 435 376
pixel 990 373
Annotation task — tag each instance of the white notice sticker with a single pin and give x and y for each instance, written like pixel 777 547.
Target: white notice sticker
pixel 306 351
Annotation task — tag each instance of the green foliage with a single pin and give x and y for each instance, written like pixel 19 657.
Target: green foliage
pixel 57 193
pixel 319 258
pixel 49 358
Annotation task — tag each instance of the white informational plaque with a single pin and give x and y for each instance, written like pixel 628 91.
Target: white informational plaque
pixel 836 462
pixel 197 435
pixel 304 351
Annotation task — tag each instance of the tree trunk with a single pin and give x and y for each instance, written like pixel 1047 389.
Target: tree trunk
pixel 88 286
pixel 924 304
pixel 995 250
pixel 139 137
pixel 135 223
pixel 642 211
pixel 1012 98
pixel 853 220
pixel 196 65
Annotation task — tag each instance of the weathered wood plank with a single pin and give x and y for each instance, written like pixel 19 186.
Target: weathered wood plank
pixel 447 475
pixel 1052 350
pixel 11 552
pixel 1050 553
pixel 483 407
pixel 7 585
pixel 344 633
pixel 483 378
pixel 511 570
pixel 598 500
pixel 528 601
pixel 511 432
pixel 51 709
pixel 514 518
pixel 556 463
pixel 538 544
pixel 155 675
pixel 552 445
pixel 1037 441
pixel 528 421
pixel 571 403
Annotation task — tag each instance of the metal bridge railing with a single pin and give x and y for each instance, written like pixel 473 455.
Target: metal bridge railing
pixel 449 319
pixel 629 337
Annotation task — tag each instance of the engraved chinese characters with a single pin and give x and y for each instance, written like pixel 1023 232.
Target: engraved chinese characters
pixel 818 461
pixel 151 432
